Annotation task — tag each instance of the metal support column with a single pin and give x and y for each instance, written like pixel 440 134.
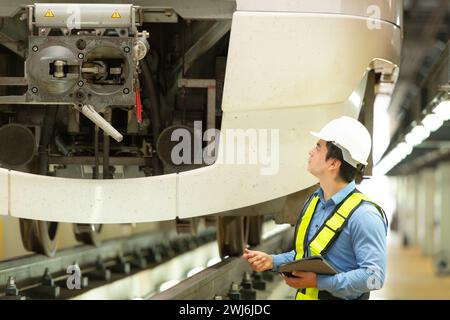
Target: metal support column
pixel 442 216
pixel 413 184
pixel 425 209
pixel 408 209
pixel 402 208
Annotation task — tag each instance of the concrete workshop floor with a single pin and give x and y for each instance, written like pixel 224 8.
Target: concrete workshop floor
pixel 411 275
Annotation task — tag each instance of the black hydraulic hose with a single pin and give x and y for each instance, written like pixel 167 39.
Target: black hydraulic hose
pixel 47 137
pixel 106 148
pixel 106 171
pixel 95 174
pixel 151 104
pixel 156 162
pixel 48 128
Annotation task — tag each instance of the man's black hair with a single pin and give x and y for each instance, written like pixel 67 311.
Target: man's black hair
pixel 347 172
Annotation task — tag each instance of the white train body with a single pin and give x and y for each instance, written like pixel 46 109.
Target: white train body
pixel 292 66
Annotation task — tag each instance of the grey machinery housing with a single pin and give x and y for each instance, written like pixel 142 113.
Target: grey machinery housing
pixel 81 70
pixel 87 58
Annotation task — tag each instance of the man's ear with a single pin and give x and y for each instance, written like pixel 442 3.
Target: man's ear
pixel 335 164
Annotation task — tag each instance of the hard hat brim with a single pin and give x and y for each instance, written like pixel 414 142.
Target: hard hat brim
pixel 318 135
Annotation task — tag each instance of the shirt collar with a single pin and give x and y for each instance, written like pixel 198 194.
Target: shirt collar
pixel 340 195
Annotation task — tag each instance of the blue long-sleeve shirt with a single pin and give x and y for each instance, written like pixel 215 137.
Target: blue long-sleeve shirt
pixel 359 253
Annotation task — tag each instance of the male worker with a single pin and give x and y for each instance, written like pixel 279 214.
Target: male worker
pixel 337 221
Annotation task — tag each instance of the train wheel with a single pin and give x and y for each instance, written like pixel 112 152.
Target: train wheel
pixel 232 234
pixel 255 230
pixel 39 236
pixel 87 233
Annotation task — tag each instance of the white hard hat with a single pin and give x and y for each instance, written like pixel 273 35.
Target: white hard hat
pixel 350 136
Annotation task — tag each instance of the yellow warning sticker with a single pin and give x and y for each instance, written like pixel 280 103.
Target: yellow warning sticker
pixel 49 14
pixel 116 15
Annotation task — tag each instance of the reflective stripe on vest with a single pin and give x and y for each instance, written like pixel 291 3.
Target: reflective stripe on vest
pixel 327 234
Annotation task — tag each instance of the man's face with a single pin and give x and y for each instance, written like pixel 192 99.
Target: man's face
pixel 316 162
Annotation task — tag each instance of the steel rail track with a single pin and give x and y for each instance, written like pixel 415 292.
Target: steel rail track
pixel 38 276
pixel 132 267
pixel 232 278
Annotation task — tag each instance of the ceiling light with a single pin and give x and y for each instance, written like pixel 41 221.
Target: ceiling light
pixel 168 284
pixel 405 148
pixel 417 135
pixel 194 271
pixel 443 110
pixel 213 261
pixel 432 122
pixel 388 162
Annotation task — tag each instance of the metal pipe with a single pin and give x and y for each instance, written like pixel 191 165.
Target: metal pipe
pixel 47 134
pixel 156 162
pixel 152 106
pixel 96 118
pixel 106 171
pixel 96 166
pixel 13 81
pixel 61 146
pixel 153 96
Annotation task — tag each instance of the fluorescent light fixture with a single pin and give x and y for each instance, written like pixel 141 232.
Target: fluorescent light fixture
pixel 443 110
pixel 387 163
pixel 213 261
pixel 168 284
pixel 404 148
pixel 432 122
pixel 397 155
pixel 417 135
pixel 194 271
pixel 411 139
pixel 400 152
pixel 421 132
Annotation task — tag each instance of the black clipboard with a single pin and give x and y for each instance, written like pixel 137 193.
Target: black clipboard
pixel 316 264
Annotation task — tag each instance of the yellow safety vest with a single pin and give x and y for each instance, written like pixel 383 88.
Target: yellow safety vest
pixel 327 234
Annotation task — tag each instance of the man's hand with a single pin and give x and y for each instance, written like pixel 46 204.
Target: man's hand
pixel 259 261
pixel 301 280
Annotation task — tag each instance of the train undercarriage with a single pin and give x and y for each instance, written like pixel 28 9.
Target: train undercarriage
pixel 93 96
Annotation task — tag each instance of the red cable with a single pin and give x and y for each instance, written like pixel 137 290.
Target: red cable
pixel 138 106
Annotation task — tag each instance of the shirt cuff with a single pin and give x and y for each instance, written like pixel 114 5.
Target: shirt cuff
pixel 324 282
pixel 277 260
